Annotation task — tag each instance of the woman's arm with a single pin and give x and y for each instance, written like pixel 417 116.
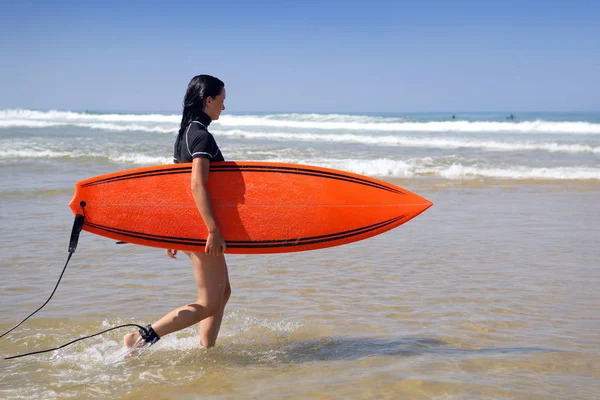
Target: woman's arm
pixel 215 244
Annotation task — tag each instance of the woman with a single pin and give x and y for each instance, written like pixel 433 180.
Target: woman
pixel 203 103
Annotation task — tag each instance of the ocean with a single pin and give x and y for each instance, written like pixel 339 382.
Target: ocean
pixel 491 293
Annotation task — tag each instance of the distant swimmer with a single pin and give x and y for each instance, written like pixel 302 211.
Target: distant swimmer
pixel 453 116
pixel 511 116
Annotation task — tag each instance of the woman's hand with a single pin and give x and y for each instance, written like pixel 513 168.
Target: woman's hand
pixel 172 253
pixel 215 244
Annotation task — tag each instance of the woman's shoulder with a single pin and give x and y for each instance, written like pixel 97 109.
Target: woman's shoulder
pixel 196 128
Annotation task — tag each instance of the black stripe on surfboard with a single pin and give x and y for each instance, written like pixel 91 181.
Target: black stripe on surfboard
pixel 305 242
pixel 142 174
pixel 309 172
pixel 249 168
pixel 252 244
pixel 142 235
pixel 232 168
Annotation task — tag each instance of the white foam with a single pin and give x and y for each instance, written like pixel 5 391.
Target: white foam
pixel 21 123
pixel 98 364
pixel 423 167
pixel 69 116
pixel 446 167
pixel 136 158
pixel 532 127
pixel 389 140
pixel 338 122
pixel 413 141
pixel 14 153
pixel 522 172
pixel 126 158
pixel 312 117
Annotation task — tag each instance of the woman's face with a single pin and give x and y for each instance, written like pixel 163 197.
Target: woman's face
pixel 213 107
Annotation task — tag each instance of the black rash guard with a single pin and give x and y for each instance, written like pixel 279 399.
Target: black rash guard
pixel 197 142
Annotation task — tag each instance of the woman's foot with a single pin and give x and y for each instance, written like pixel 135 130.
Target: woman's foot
pixel 131 339
pixel 134 345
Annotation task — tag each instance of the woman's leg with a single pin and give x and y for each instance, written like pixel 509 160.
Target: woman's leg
pixel 209 327
pixel 211 279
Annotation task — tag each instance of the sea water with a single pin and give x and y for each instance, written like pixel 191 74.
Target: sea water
pixel 491 293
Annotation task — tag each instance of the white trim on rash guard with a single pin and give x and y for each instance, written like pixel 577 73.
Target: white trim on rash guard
pixel 187 142
pixel 208 154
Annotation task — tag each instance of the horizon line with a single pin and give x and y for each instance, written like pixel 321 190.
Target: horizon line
pixel 164 111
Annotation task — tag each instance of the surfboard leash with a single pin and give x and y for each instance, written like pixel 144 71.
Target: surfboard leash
pixel 147 336
pixel 77 226
pixel 76 340
pixel 147 333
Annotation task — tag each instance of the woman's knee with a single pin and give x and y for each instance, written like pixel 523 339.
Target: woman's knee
pixel 210 304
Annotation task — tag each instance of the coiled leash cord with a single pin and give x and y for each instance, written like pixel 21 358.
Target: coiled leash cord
pixel 142 329
pixel 147 333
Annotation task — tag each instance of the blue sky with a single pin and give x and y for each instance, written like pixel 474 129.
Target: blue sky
pixel 304 56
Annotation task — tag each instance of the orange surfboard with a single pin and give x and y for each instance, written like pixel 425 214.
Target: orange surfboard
pixel 260 207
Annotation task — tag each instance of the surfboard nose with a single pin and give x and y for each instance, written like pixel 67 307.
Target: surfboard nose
pixel 415 206
pixel 426 204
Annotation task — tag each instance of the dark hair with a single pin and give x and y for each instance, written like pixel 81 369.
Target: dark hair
pixel 200 87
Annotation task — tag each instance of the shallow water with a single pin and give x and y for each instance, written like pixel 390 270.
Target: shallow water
pixel 491 293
